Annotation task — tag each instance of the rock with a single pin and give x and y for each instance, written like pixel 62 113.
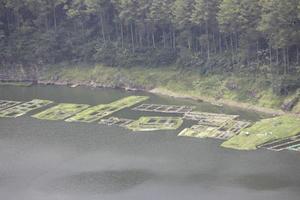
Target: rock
pixel 74 85
pixel 289 104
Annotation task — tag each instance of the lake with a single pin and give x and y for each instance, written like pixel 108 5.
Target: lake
pixel 56 160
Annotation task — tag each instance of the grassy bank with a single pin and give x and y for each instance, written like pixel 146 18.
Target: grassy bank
pixel 235 90
pixel 264 131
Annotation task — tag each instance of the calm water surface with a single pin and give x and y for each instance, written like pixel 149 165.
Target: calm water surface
pixel 45 160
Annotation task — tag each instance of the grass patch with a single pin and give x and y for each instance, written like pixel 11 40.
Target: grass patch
pixel 100 111
pixel 264 131
pixel 61 111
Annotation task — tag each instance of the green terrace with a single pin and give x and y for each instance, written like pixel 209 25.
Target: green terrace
pixel 100 111
pixel 61 111
pixel 24 108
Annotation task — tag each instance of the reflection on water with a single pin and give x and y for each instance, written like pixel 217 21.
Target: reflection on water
pixel 267 182
pixel 99 181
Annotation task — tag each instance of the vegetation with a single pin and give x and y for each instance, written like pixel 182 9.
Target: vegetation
pixel 174 81
pixel 264 131
pixel 100 111
pixel 259 39
pixel 61 111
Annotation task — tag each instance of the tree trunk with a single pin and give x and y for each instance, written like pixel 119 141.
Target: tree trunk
pixel 220 43
pixel 141 38
pixel 147 35
pixel 102 29
pixel 270 55
pixel 277 56
pixel 236 41
pixel 297 55
pixel 284 61
pixel 7 23
pixel 122 35
pixel 54 17
pixel 164 39
pixel 174 39
pixel 231 42
pixel 226 43
pixel 257 56
pixel 153 40
pixel 208 42
pixel 214 42
pixel 287 59
pixel 132 37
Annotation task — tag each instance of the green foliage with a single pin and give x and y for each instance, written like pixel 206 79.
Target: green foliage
pixel 264 131
pixel 214 36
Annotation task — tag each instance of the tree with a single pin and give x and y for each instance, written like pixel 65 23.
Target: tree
pixel 204 15
pixel 239 19
pixel 181 18
pixel 278 23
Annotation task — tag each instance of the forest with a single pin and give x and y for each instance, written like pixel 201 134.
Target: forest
pixel 215 36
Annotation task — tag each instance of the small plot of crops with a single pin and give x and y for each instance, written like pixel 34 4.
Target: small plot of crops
pixel 155 123
pixel 264 131
pixel 24 108
pixel 98 112
pixel 61 111
pixel 8 104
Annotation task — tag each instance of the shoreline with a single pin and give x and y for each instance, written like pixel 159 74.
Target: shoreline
pixel 66 77
pixel 158 91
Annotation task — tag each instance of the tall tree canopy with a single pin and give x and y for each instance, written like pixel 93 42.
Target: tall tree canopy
pixel 127 32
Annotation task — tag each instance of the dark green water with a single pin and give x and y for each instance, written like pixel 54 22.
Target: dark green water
pixel 46 160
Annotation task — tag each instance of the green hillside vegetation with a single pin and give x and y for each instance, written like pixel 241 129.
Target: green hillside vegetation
pixel 242 50
pixel 236 87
